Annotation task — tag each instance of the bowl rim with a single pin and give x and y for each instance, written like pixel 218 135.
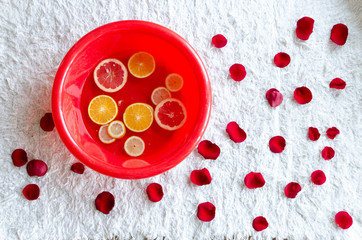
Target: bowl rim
pixel 110 170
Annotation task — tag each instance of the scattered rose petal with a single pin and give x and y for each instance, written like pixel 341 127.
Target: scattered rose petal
pixel 208 149
pixel 77 168
pixel 36 168
pixel 277 144
pixel 343 220
pixel 274 97
pixel 318 177
pixel 337 83
pixel 154 192
pixel 332 132
pixel 219 41
pixel 236 134
pixel 282 59
pixel 200 177
pixel 104 202
pixel 292 189
pixel 260 223
pixel 237 72
pixel 304 28
pixel 302 95
pixel 328 153
pixel 20 158
pixel 254 180
pixel 47 123
pixel 339 34
pixel 31 191
pixel 206 211
pixel 313 134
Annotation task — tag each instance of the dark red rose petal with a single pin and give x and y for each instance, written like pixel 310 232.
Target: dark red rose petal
pixel 77 168
pixel 339 34
pixel 292 189
pixel 47 123
pixel 36 168
pixel 318 177
pixel 302 95
pixel 274 97
pixel 31 191
pixel 237 72
pixel 277 144
pixel 206 211
pixel 328 153
pixel 154 192
pixel 332 132
pixel 219 41
pixel 200 177
pixel 304 28
pixel 208 149
pixel 254 180
pixel 260 223
pixel 343 220
pixel 313 134
pixel 236 134
pixel 337 83
pixel 282 59
pixel 104 202
pixel 20 158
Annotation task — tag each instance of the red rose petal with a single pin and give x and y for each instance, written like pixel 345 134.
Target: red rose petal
pixel 277 144
pixel 274 97
pixel 339 34
pixel 282 59
pixel 47 123
pixel 206 211
pixel 318 177
pixel 31 191
pixel 77 168
pixel 237 72
pixel 219 41
pixel 313 134
pixel 302 95
pixel 337 83
pixel 154 192
pixel 236 134
pixel 332 132
pixel 292 189
pixel 328 153
pixel 304 28
pixel 200 177
pixel 104 202
pixel 208 150
pixel 36 168
pixel 260 223
pixel 343 220
pixel 20 158
pixel 254 180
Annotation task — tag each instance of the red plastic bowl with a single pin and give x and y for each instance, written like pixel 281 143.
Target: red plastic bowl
pixel 73 88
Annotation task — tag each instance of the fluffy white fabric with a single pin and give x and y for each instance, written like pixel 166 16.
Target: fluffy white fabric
pixel 36 35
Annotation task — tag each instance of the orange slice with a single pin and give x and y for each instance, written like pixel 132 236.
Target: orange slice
pixel 134 146
pixel 102 109
pixel 174 82
pixel 104 136
pixel 141 64
pixel 138 117
pixel 170 114
pixel 116 129
pixel 110 75
pixel 159 94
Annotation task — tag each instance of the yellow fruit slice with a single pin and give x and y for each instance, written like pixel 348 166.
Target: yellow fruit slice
pixel 134 146
pixel 138 117
pixel 141 64
pixel 159 94
pixel 116 129
pixel 104 136
pixel 174 82
pixel 102 109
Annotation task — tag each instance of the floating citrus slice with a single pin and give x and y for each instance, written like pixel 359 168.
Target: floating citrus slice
pixel 134 146
pixel 160 94
pixel 102 109
pixel 170 114
pixel 110 75
pixel 141 64
pixel 116 129
pixel 174 82
pixel 138 117
pixel 104 136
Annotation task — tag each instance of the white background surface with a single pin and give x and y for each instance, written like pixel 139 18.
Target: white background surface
pixel 35 36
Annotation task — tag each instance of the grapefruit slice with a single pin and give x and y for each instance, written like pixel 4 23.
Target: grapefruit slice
pixel 141 64
pixel 160 94
pixel 104 136
pixel 110 75
pixel 174 82
pixel 170 114
pixel 116 129
pixel 138 117
pixel 134 146
pixel 102 109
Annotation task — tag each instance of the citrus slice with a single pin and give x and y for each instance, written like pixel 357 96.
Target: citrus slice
pixel 141 64
pixel 174 82
pixel 104 136
pixel 116 129
pixel 170 114
pixel 138 117
pixel 102 109
pixel 160 94
pixel 134 146
pixel 110 75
